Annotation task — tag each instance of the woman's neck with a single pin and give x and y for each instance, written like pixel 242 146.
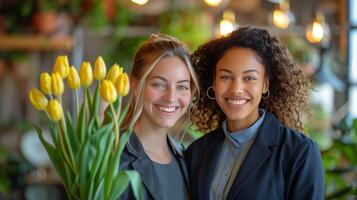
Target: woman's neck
pixel 154 142
pixel 237 125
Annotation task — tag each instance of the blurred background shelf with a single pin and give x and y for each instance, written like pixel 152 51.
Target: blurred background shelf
pixel 35 42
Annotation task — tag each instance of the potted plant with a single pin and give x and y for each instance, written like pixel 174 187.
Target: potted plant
pixel 44 17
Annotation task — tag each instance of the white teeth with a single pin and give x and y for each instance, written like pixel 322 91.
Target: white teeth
pixel 237 102
pixel 167 108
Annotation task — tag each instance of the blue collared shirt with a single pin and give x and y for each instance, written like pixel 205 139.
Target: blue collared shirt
pixel 234 148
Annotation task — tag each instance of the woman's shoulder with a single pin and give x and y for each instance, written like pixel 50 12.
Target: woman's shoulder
pixel 288 140
pixel 294 142
pixel 296 138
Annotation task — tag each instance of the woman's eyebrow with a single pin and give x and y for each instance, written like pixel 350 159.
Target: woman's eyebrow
pixel 183 81
pixel 251 70
pixel 225 70
pixel 164 79
pixel 159 77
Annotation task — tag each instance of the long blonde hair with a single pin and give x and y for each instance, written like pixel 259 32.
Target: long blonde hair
pixel 146 58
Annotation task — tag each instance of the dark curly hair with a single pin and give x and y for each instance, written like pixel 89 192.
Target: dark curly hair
pixel 288 85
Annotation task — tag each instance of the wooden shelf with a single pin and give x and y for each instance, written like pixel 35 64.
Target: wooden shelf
pixel 35 42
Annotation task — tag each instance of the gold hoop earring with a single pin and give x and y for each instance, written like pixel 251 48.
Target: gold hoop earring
pixel 207 93
pixel 267 95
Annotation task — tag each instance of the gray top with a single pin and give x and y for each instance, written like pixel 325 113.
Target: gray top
pixel 171 180
pixel 234 149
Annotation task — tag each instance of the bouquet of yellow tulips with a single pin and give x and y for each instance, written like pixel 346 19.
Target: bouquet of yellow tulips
pixel 85 150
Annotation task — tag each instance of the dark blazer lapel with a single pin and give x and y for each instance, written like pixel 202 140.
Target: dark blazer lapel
pixel 257 154
pixel 210 156
pixel 143 165
pixel 178 151
pixel 184 170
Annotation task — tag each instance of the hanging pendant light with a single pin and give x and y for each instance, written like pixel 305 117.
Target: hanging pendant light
pixel 140 2
pixel 227 24
pixel 213 3
pixel 317 31
pixel 282 17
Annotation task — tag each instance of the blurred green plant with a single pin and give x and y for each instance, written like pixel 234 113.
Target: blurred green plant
pixel 13 172
pixel 340 161
pixel 187 24
pixel 317 127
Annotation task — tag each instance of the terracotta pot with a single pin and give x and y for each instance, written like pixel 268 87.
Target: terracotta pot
pixel 109 9
pixel 44 22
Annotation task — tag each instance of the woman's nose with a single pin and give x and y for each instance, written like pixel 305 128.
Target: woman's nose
pixel 170 95
pixel 237 87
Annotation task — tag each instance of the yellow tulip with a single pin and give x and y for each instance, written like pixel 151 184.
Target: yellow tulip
pixel 45 83
pixel 86 74
pixel 57 86
pixel 54 110
pixel 100 69
pixel 62 66
pixel 107 91
pixel 114 73
pixel 38 100
pixel 122 85
pixel 73 79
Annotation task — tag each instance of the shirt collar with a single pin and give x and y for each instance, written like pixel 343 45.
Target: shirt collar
pixel 242 136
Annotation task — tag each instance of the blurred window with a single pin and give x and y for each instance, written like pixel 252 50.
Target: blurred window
pixel 352 55
pixel 352 101
pixel 353 12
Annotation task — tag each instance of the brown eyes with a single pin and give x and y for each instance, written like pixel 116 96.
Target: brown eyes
pixel 248 78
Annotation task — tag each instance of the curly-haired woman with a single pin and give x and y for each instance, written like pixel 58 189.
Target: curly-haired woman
pixel 252 100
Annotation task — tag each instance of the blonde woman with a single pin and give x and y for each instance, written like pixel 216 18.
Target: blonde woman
pixel 163 86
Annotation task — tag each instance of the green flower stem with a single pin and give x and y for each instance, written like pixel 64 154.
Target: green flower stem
pixel 67 143
pixel 117 136
pixel 65 140
pixel 119 107
pixel 77 103
pixel 116 128
pixel 84 112
pixel 54 138
pixel 63 148
pixel 45 111
pixel 88 96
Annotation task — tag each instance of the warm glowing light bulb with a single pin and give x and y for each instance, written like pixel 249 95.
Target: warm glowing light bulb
pixel 281 19
pixel 140 2
pixel 225 27
pixel 213 2
pixel 315 32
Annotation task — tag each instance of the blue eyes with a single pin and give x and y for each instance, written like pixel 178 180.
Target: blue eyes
pixel 158 85
pixel 182 87
pixel 163 86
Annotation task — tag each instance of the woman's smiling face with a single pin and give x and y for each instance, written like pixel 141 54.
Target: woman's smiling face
pixel 167 93
pixel 239 83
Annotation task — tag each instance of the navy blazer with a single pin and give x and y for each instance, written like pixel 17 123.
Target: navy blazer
pixel 134 158
pixel 281 164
